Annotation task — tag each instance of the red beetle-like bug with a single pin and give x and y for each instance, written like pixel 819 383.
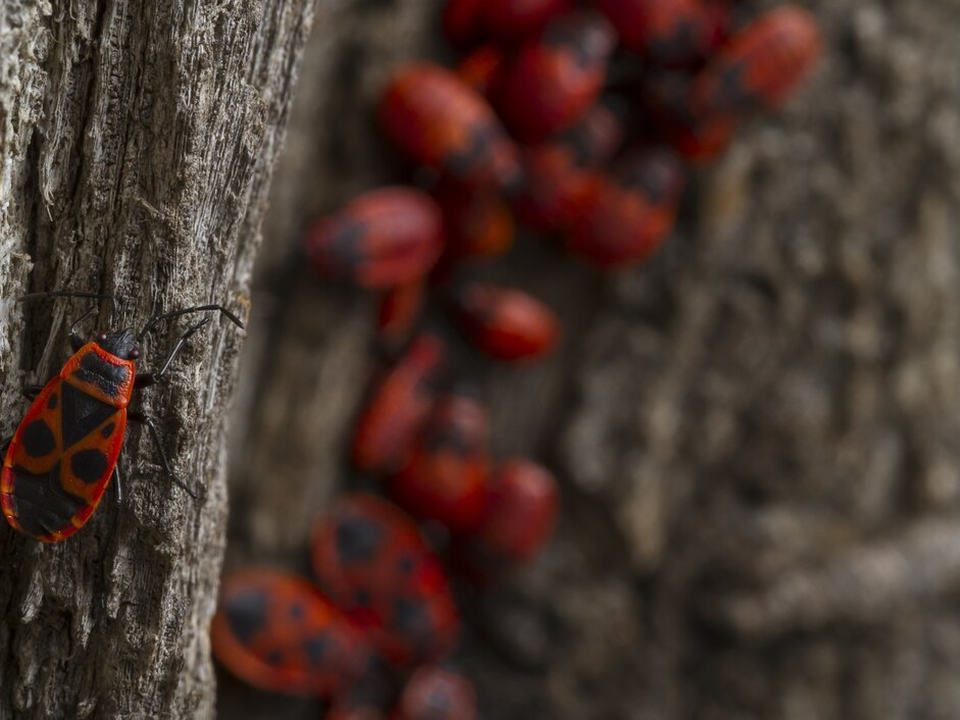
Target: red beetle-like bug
pixel 400 308
pixel 387 431
pixel 438 120
pixel 383 238
pixel 64 453
pixel 629 215
pixel 505 323
pixel 669 32
pixel 558 177
pixel 759 67
pixel 278 632
pixel 372 561
pixel 520 517
pixel 554 77
pixel 446 478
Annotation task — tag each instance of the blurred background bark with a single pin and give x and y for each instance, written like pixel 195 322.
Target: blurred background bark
pixel 756 433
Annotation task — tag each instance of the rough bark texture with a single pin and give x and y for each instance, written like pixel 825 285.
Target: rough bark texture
pixel 137 141
pixel 757 432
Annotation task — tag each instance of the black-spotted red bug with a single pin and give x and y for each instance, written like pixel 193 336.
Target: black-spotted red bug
pixel 65 451
pixel 554 77
pixel 278 632
pixel 386 237
pixel 520 516
pixel 505 323
pixel 446 477
pixel 438 120
pixel 373 562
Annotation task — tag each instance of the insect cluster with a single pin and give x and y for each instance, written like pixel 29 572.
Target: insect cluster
pixel 578 123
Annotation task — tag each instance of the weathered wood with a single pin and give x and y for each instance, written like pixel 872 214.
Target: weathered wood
pixel 137 141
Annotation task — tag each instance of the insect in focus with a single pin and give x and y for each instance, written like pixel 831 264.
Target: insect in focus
pixel 64 453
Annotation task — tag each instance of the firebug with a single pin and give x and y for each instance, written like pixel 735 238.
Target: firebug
pixel 64 453
pixel 373 562
pixel 278 632
pixel 505 323
pixel 383 238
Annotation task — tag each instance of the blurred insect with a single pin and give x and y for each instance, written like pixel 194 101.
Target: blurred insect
pixel 383 238
pixel 278 632
pixel 438 120
pixel 400 308
pixel 558 174
pixel 759 67
pixel 554 77
pixel 446 477
pixel 436 693
pixel 467 22
pixel 386 434
pixel 520 516
pixel 64 453
pixel 372 561
pixel 631 212
pixel 668 32
pixel 504 323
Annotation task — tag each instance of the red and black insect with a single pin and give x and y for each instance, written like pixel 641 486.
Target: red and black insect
pixel 505 323
pixel 554 77
pixel 400 308
pixel 374 564
pixel 759 67
pixel 65 451
pixel 436 693
pixel 630 213
pixel 383 238
pixel 669 32
pixel 446 477
pixel 278 632
pixel 520 516
pixel 438 120
pixel 558 173
pixel 387 431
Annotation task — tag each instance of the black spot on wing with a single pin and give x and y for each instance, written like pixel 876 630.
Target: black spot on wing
pixel 81 414
pixel 88 465
pixel 52 401
pixel 108 429
pixel 275 658
pixel 247 613
pixel 315 648
pixel 296 611
pixel 358 540
pixel 41 503
pixel 37 439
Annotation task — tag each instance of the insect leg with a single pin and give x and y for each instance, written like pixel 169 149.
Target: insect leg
pixel 155 320
pixel 151 378
pixel 155 434
pixel 76 340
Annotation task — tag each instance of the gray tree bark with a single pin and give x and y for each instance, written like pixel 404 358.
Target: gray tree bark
pixel 757 432
pixel 137 142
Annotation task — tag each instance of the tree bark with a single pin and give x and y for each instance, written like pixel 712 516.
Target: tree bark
pixel 138 141
pixel 756 432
